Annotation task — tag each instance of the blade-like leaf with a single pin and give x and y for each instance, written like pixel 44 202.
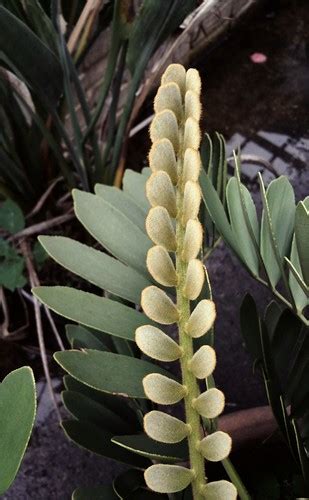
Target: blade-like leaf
pixel 91 310
pixel 123 202
pixel 99 441
pixel 302 236
pixel 112 229
pixel 217 212
pixel 298 287
pixel 251 327
pixel 96 267
pixel 95 493
pixel 85 338
pixel 126 484
pixel 108 372
pixel 285 343
pixel 158 20
pixel 239 225
pixel 17 412
pixel 146 447
pixel 88 410
pixel 272 316
pixel 116 404
pixel 277 225
pixel 29 57
pixel 134 184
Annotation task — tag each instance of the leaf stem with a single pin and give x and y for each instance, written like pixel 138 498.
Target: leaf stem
pixel 235 478
pixel 185 341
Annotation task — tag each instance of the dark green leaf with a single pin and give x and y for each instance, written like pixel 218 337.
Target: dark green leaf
pixel 302 236
pixel 146 447
pixel 98 440
pixel 302 454
pixel 95 493
pixel 128 482
pixel 85 338
pixel 11 217
pixel 250 324
pixel 88 410
pixel 17 412
pixel 158 20
pixel 117 404
pixel 108 372
pixel 11 273
pixel 31 59
pixel 272 315
pixel 285 343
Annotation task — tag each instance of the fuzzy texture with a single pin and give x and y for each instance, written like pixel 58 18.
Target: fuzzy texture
pixel 161 266
pixel 160 228
pixel 172 224
pixel 156 344
pixel 158 306
pixel 165 428
pixel 163 390
pixel 216 447
pixel 162 158
pixel 160 192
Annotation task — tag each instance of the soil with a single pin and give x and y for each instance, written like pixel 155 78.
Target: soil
pixel 264 109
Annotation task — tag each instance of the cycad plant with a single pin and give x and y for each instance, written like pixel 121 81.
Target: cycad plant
pixel 115 397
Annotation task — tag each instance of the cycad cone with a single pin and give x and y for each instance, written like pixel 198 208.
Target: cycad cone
pixel 172 224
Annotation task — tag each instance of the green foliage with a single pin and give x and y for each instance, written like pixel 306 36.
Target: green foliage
pixel 17 412
pixel 35 50
pixel 279 345
pixel 274 249
pixel 11 217
pixel 12 264
pixel 11 267
pixel 108 367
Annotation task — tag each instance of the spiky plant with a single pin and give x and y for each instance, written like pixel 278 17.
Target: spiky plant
pixel 172 224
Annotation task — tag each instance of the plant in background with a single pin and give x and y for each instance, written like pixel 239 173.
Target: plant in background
pixel 17 414
pixel 279 346
pixel 45 54
pixel 274 249
pixel 275 252
pixel 108 384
